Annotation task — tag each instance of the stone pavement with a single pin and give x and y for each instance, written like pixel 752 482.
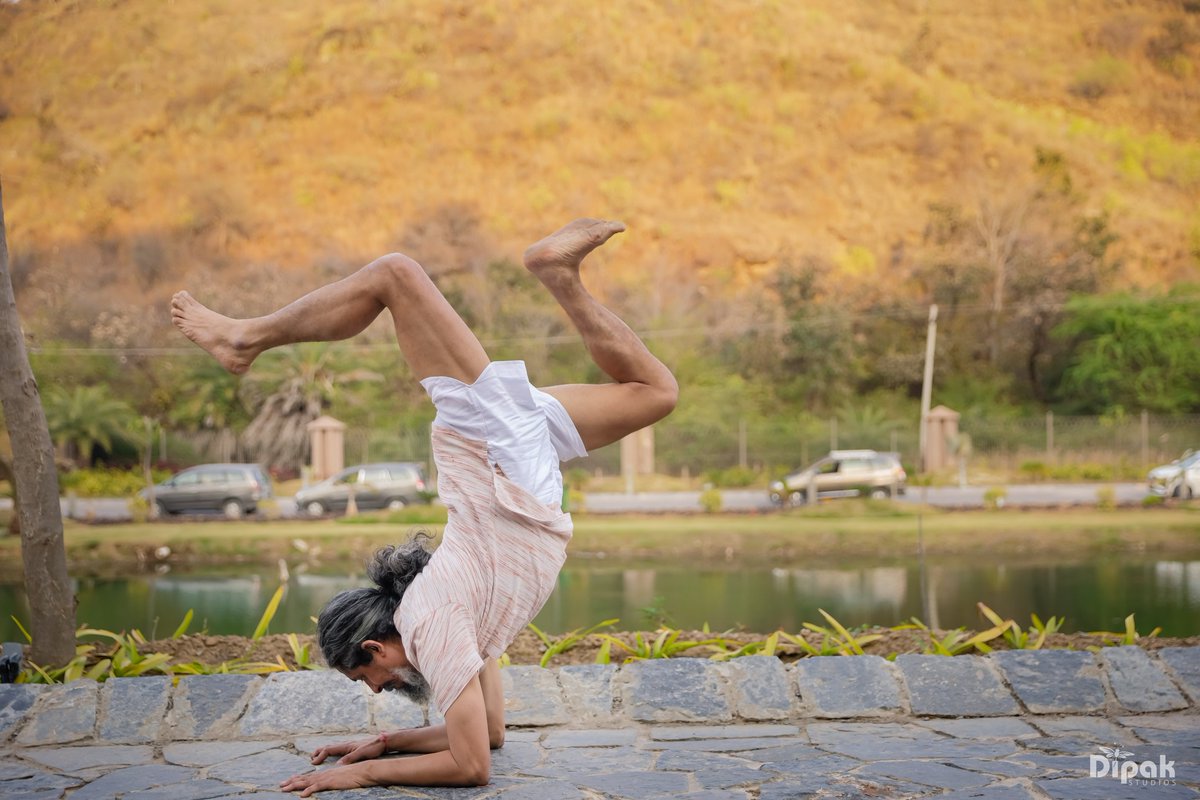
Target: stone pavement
pixel 1016 724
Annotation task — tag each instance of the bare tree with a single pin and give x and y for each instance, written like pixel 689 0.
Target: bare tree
pixel 35 481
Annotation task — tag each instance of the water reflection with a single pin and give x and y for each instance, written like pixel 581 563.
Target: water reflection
pixel 1093 595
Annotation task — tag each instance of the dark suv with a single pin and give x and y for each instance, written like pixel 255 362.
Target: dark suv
pixel 843 473
pixel 392 485
pixel 232 489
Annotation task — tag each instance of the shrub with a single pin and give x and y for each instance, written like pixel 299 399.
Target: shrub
pixel 1035 470
pixel 710 500
pixel 993 498
pixel 102 482
pixel 1153 500
pixel 732 477
pixel 1106 498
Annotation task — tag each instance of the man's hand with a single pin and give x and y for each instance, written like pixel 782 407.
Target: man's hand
pixel 350 752
pixel 349 777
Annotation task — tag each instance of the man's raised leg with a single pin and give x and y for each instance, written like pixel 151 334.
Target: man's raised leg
pixel 645 390
pixel 432 337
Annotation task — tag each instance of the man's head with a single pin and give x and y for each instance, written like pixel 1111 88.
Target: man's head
pixel 356 628
pixel 388 668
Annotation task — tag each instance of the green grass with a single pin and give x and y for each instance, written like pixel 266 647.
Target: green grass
pixel 831 531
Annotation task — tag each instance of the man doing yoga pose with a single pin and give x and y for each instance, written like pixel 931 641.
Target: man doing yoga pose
pixel 437 623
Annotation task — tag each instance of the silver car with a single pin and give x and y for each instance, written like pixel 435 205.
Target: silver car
pixel 232 489
pixel 843 473
pixel 392 485
pixel 1180 478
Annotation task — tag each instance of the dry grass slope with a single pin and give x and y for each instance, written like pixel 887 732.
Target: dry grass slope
pixel 144 145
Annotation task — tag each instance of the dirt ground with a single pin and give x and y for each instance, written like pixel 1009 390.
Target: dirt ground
pixel 528 649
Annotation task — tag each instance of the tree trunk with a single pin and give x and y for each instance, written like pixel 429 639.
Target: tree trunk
pixel 35 480
pixel 6 474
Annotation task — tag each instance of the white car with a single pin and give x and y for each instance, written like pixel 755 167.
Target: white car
pixel 1180 478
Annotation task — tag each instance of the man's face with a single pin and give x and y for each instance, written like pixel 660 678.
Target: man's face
pixel 389 669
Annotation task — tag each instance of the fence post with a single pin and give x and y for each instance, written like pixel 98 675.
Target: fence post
pixel 833 439
pixel 1049 435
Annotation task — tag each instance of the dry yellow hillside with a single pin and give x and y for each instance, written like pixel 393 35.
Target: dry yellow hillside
pixel 145 144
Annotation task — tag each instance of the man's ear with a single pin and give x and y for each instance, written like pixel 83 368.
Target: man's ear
pixel 373 647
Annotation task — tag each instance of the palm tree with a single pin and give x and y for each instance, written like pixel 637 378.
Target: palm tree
pixel 84 418
pixel 209 398
pixel 303 380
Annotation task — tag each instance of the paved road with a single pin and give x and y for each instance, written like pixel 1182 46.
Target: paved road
pixel 1043 495
pixel 1016 725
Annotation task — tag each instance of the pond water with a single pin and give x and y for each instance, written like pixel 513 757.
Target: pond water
pixel 1094 594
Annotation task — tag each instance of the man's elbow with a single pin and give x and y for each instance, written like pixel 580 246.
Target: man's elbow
pixel 479 774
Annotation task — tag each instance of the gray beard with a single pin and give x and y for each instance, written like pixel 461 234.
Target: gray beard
pixel 411 684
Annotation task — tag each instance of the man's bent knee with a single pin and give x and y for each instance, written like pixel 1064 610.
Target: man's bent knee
pixel 399 271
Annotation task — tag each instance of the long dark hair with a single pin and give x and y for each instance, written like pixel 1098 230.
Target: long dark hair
pixel 356 615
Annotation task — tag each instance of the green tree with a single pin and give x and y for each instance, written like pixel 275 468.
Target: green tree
pixel 1131 353
pixel 84 418
pixel 208 398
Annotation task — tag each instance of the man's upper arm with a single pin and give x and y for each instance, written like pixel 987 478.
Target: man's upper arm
pixel 467 733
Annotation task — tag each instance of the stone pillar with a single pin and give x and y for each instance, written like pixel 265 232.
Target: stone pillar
pixel 327 436
pixel 941 428
pixel 637 455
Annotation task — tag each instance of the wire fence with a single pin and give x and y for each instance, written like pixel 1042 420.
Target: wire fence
pixel 1099 448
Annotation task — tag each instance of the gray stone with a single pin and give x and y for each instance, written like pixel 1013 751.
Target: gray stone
pixel 261 769
pixel 760 687
pixel 806 769
pixel 1139 683
pixel 635 784
pixel 593 738
pixel 1094 729
pixel 1006 791
pixel 192 790
pixel 543 790
pixel 1184 662
pixel 1053 681
pixel 1162 722
pixel 77 759
pixel 715 794
pixel 1087 788
pixel 675 690
pixel 681 732
pixel 12 770
pixel 989 728
pixel 929 773
pixel 306 702
pixel 532 697
pixel 133 779
pixel 719 745
pixel 521 736
pixel 64 713
pixel 727 777
pixel 895 742
pixel 38 786
pixel 1006 767
pixel 132 709
pixel 516 757
pixel 307 744
pixel 690 761
pixel 206 704
pixel 205 754
pixel 580 760
pixel 837 686
pixel 1067 745
pixel 15 701
pixel 392 710
pixel 962 686
pixel 588 689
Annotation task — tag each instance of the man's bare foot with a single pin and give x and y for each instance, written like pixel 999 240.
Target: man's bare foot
pixel 560 253
pixel 223 337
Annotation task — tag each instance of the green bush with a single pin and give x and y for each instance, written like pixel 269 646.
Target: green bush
pixel 1034 470
pixel 994 497
pixel 409 515
pixel 1153 500
pixel 732 477
pixel 106 482
pixel 710 500
pixel 1106 498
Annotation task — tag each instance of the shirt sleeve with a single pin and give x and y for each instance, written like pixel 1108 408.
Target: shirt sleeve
pixel 444 648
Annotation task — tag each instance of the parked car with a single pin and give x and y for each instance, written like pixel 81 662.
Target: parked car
pixel 1180 478
pixel 232 489
pixel 843 473
pixel 392 485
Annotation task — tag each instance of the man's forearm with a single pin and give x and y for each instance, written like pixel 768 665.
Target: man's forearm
pixel 418 740
pixel 430 769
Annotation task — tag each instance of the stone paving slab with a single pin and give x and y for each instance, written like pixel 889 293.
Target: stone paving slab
pixel 1023 724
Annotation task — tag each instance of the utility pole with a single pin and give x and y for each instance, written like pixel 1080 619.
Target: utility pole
pixel 927 384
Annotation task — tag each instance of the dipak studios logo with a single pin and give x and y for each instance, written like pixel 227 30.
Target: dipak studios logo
pixel 1120 765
